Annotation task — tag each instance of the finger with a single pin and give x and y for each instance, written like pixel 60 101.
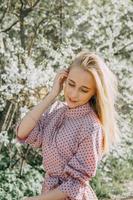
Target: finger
pixel 62 74
pixel 64 71
pixel 62 78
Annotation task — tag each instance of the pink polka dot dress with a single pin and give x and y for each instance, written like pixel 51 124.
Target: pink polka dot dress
pixel 71 143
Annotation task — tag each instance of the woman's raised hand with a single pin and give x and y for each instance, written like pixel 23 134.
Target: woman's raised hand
pixel 58 81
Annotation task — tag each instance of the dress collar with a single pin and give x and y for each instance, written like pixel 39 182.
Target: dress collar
pixel 77 111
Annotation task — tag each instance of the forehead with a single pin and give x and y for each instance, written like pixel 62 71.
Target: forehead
pixel 81 77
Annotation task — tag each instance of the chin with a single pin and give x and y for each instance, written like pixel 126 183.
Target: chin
pixel 70 103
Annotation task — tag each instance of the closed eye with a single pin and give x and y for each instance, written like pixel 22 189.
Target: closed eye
pixel 74 86
pixel 70 84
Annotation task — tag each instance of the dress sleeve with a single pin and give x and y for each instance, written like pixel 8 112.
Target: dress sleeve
pixel 37 133
pixel 82 166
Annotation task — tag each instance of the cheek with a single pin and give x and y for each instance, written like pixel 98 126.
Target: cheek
pixel 67 90
pixel 84 96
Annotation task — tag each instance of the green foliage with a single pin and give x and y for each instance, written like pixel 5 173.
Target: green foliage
pixel 21 173
pixel 14 187
pixel 111 176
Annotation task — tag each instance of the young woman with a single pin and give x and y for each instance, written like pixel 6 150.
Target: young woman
pixel 76 133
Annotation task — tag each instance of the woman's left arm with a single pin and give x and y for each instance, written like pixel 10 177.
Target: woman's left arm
pixel 55 194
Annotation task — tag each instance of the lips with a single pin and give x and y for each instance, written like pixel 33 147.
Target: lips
pixel 72 100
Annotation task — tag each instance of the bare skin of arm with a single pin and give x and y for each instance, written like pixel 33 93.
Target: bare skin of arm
pixel 28 124
pixel 29 121
pixel 52 195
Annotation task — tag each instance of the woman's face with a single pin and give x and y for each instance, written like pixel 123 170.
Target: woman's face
pixel 79 87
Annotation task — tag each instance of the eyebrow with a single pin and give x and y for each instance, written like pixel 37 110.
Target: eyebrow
pixel 81 86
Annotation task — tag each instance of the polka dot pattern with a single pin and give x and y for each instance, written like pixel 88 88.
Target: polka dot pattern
pixel 71 143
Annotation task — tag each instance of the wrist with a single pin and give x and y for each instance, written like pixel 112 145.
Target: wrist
pixel 40 197
pixel 52 95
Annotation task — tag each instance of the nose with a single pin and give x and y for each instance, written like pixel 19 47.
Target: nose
pixel 74 95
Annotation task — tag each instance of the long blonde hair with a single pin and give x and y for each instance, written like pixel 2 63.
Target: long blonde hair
pixel 106 92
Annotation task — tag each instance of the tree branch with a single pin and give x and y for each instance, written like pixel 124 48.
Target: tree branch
pixel 9 28
pixel 25 11
pixel 6 10
pixel 35 3
pixel 34 36
pixel 124 47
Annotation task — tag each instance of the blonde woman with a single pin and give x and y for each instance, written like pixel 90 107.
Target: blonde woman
pixel 75 134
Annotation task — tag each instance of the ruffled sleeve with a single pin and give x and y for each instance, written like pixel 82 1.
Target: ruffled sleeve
pixel 82 166
pixel 37 133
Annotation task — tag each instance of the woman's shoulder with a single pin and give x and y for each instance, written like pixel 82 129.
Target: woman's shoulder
pixel 91 119
pixel 91 122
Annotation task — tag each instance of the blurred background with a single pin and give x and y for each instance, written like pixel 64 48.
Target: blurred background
pixel 37 38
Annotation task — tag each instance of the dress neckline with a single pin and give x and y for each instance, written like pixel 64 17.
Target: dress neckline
pixel 77 111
